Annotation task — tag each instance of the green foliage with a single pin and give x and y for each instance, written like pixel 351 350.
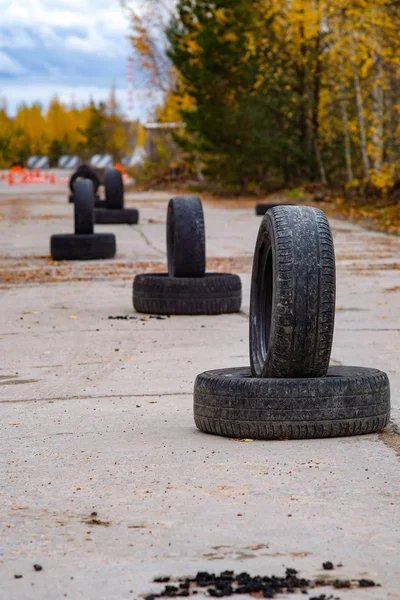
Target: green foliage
pixel 243 123
pixel 300 90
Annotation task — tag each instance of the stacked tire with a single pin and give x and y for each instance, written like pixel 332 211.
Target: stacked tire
pixel 290 391
pixel 262 207
pixel 86 172
pixel 84 244
pixel 113 212
pixel 187 289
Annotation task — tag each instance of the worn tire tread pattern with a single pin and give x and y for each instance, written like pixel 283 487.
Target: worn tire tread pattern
pixel 186 245
pixel 116 216
pixel 350 401
pixel 114 187
pixel 303 309
pixel 92 246
pixel 83 206
pixel 215 293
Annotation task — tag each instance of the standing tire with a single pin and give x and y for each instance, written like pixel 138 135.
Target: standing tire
pixel 262 207
pixel 93 246
pixel 348 401
pixel 83 206
pixel 186 246
pixel 114 187
pixel 213 294
pixel 109 216
pixel 292 301
pixel 84 172
pixel 98 203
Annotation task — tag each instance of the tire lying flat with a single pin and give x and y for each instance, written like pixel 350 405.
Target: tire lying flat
pixel 213 294
pixel 114 187
pixel 112 216
pixel 83 206
pixel 85 172
pixel 186 246
pixel 348 401
pixel 292 302
pixel 71 246
pixel 262 207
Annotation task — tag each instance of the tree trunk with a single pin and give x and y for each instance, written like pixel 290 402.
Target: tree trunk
pixel 320 163
pixel 343 108
pixel 360 111
pixel 377 135
pixel 315 108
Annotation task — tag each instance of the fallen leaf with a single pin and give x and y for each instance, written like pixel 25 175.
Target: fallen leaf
pixel 72 317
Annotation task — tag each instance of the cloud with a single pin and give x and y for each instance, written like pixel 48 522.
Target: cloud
pixel 75 48
pixel 8 66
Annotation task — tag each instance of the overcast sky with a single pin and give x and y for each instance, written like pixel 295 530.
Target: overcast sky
pixel 72 48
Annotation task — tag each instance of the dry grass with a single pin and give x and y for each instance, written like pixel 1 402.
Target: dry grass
pixel 41 269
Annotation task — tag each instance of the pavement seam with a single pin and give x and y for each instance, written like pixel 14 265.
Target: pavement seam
pixel 103 397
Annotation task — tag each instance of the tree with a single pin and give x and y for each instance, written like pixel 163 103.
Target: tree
pixel 303 89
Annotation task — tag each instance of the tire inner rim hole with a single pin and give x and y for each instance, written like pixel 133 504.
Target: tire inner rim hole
pixel 265 296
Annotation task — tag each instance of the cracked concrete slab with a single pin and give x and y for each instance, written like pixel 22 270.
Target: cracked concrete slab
pixel 96 417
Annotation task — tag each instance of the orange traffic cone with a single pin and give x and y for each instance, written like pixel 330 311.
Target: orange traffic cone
pixel 10 179
pixel 52 179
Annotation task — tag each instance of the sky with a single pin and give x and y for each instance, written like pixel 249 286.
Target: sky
pixel 75 49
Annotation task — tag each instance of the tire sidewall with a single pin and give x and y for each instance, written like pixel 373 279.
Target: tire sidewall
pixel 266 242
pixel 84 172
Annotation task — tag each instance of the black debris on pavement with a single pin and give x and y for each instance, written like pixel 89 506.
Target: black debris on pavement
pixel 123 318
pixel 228 583
pixel 324 597
pixel 366 583
pixel 132 318
pixel 328 565
pixel 341 584
pixel 38 567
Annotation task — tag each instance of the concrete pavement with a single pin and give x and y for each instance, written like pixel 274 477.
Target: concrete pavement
pixel 96 417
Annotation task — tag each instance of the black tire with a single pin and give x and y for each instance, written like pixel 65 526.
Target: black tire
pixel 213 294
pixel 262 207
pixel 84 172
pixel 349 401
pixel 107 216
pixel 93 246
pixel 98 203
pixel 114 187
pixel 292 301
pixel 186 245
pixel 83 206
